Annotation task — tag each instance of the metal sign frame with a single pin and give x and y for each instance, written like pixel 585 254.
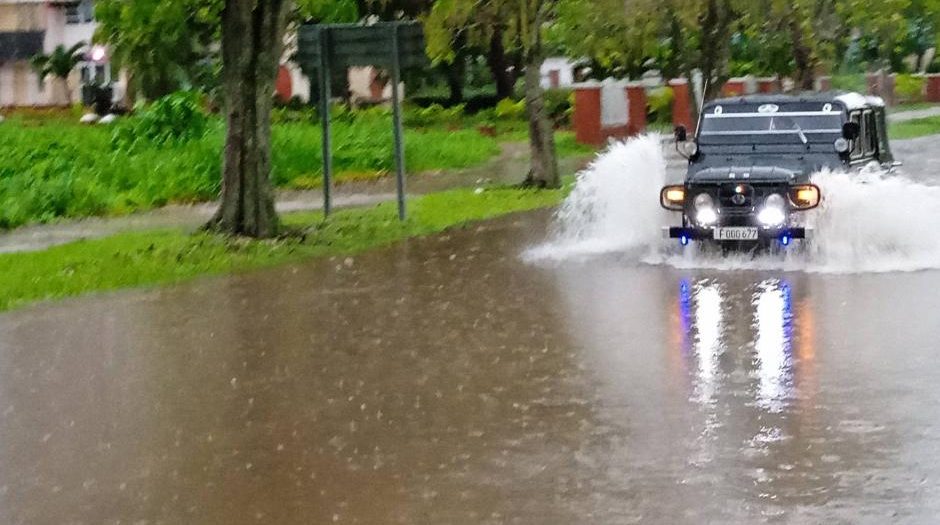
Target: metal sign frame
pixel 388 44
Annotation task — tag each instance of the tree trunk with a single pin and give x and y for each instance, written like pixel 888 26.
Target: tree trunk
pixel 456 71
pixel 544 170
pixel 252 39
pixel 802 54
pixel 498 63
pixel 713 47
pixel 68 91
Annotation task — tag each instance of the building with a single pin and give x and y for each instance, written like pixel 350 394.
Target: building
pixel 30 27
pixel 559 72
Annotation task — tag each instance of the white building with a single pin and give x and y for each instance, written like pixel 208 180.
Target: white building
pixel 558 72
pixel 30 27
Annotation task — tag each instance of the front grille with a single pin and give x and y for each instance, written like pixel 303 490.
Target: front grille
pixel 741 210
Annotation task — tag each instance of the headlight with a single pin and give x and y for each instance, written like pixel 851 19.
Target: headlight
pixel 774 211
pixel 775 200
pixel 705 213
pixel 805 196
pixel 703 200
pixel 706 216
pixel 841 145
pixel 688 148
pixel 770 216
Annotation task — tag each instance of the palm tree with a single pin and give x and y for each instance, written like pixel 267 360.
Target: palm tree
pixel 60 64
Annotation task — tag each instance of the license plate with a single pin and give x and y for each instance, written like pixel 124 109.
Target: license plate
pixel 735 234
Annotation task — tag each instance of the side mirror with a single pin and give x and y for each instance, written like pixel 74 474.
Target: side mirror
pixel 681 133
pixel 851 130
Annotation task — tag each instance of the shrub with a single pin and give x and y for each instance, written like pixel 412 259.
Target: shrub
pixel 659 105
pixel 433 115
pixel 175 118
pixel 508 109
pixel 850 83
pixel 560 105
pixel 909 88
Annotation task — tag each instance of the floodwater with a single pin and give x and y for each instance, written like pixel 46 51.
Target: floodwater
pixel 447 381
pixel 537 369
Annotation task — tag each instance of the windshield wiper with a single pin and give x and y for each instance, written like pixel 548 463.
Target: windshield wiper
pixel 800 131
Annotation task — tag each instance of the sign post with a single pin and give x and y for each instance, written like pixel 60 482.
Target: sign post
pixel 393 45
pixel 327 141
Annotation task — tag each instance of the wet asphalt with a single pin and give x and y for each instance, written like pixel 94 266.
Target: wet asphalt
pixel 446 381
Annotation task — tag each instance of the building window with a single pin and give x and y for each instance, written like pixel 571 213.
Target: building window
pixel 81 12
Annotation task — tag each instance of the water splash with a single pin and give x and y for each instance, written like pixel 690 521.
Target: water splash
pixel 609 209
pixel 868 222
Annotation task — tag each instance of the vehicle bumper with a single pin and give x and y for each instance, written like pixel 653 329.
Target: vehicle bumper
pixel 700 234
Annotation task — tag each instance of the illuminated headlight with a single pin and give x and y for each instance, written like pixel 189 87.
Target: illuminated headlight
pixel 841 145
pixel 706 216
pixel 705 213
pixel 773 213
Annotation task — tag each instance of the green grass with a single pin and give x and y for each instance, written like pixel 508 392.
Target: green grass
pixel 914 128
pixel 156 257
pixel 52 168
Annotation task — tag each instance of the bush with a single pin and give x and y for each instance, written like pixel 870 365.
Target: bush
pixel 560 105
pixel 909 88
pixel 175 118
pixel 434 115
pixel 855 83
pixel 659 105
pixel 508 109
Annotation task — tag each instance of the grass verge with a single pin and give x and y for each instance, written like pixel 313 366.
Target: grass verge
pixel 910 129
pixel 155 257
pixel 52 169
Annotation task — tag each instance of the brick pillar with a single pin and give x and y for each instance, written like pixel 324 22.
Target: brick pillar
pixel 887 89
pixel 768 85
pixel 933 87
pixel 873 83
pixel 636 108
pixel 681 104
pixel 734 88
pixel 824 83
pixel 283 86
pixel 587 114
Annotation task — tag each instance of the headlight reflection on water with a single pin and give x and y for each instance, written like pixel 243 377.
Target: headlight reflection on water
pixel 773 321
pixel 701 306
pixel 707 315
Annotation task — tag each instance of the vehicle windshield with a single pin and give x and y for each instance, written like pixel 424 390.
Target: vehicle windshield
pixel 765 126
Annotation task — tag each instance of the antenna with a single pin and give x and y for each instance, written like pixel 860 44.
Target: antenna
pixel 701 106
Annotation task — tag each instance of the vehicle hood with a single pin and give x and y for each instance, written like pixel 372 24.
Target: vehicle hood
pixel 745 173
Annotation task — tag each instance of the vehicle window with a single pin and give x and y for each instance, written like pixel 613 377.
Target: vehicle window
pixel 771 124
pixel 870 134
pixel 856 117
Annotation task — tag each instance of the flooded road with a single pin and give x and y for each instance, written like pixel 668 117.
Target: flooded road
pixel 447 381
